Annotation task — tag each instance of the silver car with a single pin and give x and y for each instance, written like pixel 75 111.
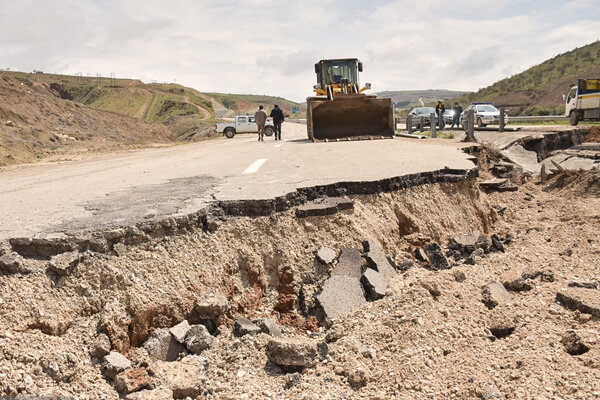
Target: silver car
pixel 419 112
pixel 485 114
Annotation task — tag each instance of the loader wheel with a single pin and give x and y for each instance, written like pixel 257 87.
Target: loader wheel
pixel 480 123
pixel 268 131
pixel 574 118
pixel 229 133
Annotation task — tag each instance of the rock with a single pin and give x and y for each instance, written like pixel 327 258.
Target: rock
pixel 496 243
pixel 326 255
pixel 198 339
pixel 459 276
pixel 464 244
pixel 404 265
pixel 350 263
pixel 432 288
pixel 180 330
pixel 132 380
pixel 161 345
pixel 436 257
pixel 115 363
pixel 585 300
pixel 243 326
pixel 212 307
pixel 159 393
pixel 377 259
pixel 573 344
pixel 63 263
pixel 522 280
pixel 494 294
pixel 357 377
pixel 324 206
pixel 292 353
pixel 323 351
pixel 12 263
pixel 100 346
pixel 420 255
pixel 582 284
pixel 292 380
pixel 375 284
pixel 184 378
pixel 501 323
pixel 268 326
pixel 339 295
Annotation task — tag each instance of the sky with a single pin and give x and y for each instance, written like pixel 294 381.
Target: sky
pixel 270 46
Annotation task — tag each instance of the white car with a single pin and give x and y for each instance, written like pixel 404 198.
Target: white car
pixel 485 114
pixel 242 124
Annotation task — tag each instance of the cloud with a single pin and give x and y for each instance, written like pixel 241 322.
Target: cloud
pixel 270 46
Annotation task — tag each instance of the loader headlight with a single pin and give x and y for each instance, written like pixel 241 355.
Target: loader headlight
pixel 368 85
pixel 316 87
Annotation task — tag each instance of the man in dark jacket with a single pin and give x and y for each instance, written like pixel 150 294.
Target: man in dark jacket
pixel 456 117
pixel 277 116
pixel 439 113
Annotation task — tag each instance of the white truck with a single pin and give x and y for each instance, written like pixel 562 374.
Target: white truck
pixel 242 124
pixel 583 101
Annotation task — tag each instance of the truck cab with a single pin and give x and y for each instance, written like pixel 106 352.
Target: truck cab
pixel 583 101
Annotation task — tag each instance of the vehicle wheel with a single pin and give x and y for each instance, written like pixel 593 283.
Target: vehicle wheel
pixel 574 118
pixel 268 131
pixel 229 133
pixel 480 123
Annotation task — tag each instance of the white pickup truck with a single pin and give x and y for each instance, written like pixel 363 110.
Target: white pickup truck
pixel 242 124
pixel 583 101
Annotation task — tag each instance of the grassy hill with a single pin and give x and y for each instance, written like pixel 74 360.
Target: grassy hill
pixel 539 90
pixel 248 104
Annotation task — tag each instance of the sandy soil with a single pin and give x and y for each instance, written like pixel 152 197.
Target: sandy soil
pixel 430 337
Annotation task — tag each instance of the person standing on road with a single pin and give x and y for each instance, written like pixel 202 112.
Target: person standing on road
pixel 277 116
pixel 261 118
pixel 456 117
pixel 439 112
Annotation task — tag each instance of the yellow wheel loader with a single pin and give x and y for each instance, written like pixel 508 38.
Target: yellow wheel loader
pixel 340 110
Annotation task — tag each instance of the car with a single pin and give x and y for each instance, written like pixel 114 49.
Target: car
pixel 419 112
pixel 448 115
pixel 242 124
pixel 485 114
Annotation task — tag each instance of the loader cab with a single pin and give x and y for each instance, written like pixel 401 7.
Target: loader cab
pixel 331 72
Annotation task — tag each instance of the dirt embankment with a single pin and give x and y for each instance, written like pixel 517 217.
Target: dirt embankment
pixel 37 124
pixel 430 336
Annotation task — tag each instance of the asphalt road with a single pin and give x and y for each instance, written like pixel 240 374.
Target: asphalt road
pixel 41 200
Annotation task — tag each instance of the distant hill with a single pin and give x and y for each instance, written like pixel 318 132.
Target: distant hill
pixel 248 103
pixel 410 98
pixel 539 90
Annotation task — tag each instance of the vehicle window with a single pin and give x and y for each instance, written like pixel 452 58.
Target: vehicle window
pixel 571 94
pixel 425 110
pixel 242 120
pixel 251 119
pixel 486 108
pixel 341 69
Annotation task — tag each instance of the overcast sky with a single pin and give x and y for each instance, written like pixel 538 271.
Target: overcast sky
pixel 270 46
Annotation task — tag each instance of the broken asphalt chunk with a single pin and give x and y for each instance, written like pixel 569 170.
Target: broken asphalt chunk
pixel 325 206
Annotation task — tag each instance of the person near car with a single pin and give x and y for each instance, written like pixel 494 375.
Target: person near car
pixel 439 111
pixel 277 116
pixel 456 117
pixel 261 119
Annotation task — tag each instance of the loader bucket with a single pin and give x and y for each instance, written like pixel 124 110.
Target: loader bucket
pixel 351 116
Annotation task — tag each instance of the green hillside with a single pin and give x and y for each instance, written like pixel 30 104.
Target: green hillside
pixel 539 90
pixel 248 103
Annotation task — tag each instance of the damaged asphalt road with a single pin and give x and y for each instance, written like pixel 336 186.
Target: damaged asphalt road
pixel 125 189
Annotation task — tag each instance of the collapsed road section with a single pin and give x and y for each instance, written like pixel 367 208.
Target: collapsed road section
pixel 374 290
